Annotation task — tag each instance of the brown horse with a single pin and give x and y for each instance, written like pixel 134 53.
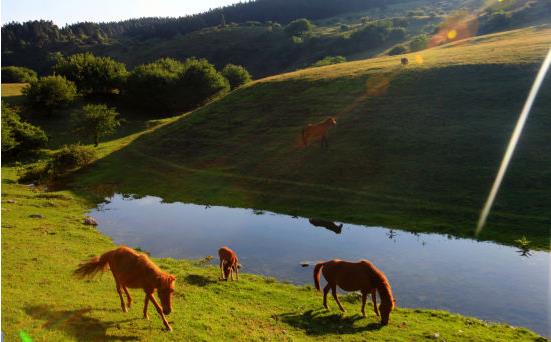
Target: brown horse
pixel 354 276
pixel 228 263
pixel 317 130
pixel 134 270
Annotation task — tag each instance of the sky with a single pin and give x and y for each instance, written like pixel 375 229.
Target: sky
pixel 63 12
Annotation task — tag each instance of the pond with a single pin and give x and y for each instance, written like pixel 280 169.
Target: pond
pixel 481 279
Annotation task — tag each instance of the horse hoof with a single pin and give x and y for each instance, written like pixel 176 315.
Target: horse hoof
pixel 169 328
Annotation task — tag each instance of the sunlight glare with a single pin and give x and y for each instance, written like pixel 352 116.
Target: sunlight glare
pixel 513 142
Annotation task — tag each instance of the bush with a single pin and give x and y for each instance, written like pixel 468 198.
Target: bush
pixel 418 43
pixel 397 50
pixel 72 157
pixel 39 173
pixel 14 74
pixel 92 75
pixel 236 75
pixel 372 35
pixel 298 27
pixel 199 83
pixel 97 121
pixel 329 60
pixel 170 85
pixel 50 92
pixel 19 136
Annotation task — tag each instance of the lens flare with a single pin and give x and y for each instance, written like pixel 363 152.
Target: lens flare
pixel 452 34
pixel 418 59
pixel 513 142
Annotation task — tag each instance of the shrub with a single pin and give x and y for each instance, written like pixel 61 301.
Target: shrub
pixel 298 27
pixel 329 60
pixel 372 35
pixel 236 75
pixel 19 136
pixel 14 74
pixel 97 121
pixel 418 43
pixel 50 92
pixel 72 157
pixel 40 173
pixel 91 74
pixel 199 83
pixel 397 50
pixel 170 85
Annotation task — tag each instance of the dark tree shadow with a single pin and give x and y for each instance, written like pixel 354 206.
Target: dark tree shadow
pixel 78 323
pixel 199 280
pixel 318 322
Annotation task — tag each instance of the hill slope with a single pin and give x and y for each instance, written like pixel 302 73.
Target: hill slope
pixel 415 147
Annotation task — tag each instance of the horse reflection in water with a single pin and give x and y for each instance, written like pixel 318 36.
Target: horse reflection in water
pixel 332 226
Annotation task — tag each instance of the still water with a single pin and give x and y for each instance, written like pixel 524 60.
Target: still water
pixel 481 279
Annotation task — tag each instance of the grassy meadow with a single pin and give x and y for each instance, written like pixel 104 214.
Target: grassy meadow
pixel 41 299
pixel 416 147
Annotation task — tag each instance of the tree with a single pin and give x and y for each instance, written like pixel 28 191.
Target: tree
pixel 50 92
pixel 298 27
pixel 19 136
pixel 170 85
pixel 14 74
pixel 236 75
pixel 97 121
pixel 92 75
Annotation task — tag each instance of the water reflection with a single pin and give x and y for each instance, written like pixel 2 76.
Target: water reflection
pixel 332 226
pixel 475 278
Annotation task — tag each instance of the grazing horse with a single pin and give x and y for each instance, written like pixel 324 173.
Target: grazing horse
pixel 317 130
pixel 228 263
pixel 354 276
pixel 404 61
pixel 134 270
pixel 332 226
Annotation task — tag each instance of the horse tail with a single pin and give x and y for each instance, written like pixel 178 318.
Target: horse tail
pixel 317 271
pixel 89 268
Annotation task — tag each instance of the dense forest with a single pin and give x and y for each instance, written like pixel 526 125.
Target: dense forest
pixel 259 34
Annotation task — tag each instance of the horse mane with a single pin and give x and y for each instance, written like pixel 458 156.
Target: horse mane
pixel 384 288
pixel 383 285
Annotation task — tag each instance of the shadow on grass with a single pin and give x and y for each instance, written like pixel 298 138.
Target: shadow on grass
pixel 319 322
pixel 77 323
pixel 199 280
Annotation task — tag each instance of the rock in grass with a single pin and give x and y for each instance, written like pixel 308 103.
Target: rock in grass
pixel 89 220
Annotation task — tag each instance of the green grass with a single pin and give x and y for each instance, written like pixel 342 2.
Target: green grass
pixel 40 298
pixel 415 147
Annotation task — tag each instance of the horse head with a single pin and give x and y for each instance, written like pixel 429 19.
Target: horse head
pixel 165 291
pixel 385 308
pixel 332 121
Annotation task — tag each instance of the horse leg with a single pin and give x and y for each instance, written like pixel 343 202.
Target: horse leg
pixel 222 269
pixel 325 291
pixel 128 298
pixel 334 293
pixel 118 285
pixel 145 315
pixel 236 273
pixel 364 299
pixel 374 300
pixel 159 310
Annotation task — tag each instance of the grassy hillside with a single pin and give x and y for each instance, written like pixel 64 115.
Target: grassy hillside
pixel 415 147
pixel 41 300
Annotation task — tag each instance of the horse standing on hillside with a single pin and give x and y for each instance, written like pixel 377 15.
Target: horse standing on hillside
pixel 350 276
pixel 134 270
pixel 228 263
pixel 318 130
